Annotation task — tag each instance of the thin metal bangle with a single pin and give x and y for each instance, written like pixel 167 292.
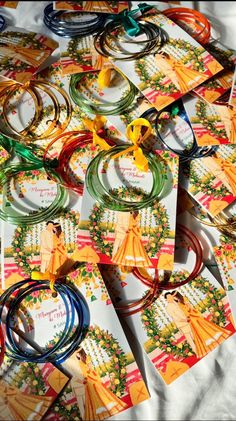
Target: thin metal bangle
pixel 69 29
pixel 226 225
pixel 108 108
pixel 196 247
pixel 41 215
pixel 7 93
pixel 98 191
pixel 70 338
pixel 55 127
pixel 101 41
pixel 194 153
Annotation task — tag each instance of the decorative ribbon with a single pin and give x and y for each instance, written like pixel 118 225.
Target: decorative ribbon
pixel 19 149
pixel 47 276
pixel 133 133
pixel 94 126
pixel 104 78
pixel 126 17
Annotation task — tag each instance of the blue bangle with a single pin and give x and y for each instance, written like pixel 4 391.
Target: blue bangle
pixel 186 155
pixel 53 19
pixel 72 335
pixel 2 23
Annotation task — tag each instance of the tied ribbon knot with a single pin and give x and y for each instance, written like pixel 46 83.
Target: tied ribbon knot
pixel 127 18
pixel 134 133
pixel 47 276
pixel 94 126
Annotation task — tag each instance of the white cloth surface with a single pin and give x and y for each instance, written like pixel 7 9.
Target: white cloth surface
pixel 207 390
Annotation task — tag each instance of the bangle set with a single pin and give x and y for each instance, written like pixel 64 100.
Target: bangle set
pixel 192 21
pixel 75 329
pixel 105 197
pixel 56 126
pixel 57 21
pixel 155 285
pixel 102 108
pixel 42 214
pixel 195 152
pixel 107 44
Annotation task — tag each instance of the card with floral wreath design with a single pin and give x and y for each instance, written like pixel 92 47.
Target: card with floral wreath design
pixel 10 4
pixel 212 124
pixel 183 325
pixel 211 180
pixel 104 236
pixel 180 66
pixel 232 100
pixel 28 390
pixel 104 376
pixel 92 6
pixel 78 55
pixel 218 85
pixel 23 52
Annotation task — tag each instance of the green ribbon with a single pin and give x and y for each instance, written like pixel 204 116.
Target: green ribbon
pixel 131 26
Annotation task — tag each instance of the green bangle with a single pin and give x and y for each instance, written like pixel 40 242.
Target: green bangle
pixel 109 108
pixel 97 190
pixel 38 216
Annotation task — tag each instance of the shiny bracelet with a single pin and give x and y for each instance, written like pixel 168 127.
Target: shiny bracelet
pixel 192 21
pixel 195 151
pixel 8 91
pixel 57 22
pixel 156 38
pixel 75 329
pixel 2 23
pixel 107 108
pixel 71 141
pixel 195 245
pixel 41 215
pixel 105 197
pixel 56 126
pixel 223 223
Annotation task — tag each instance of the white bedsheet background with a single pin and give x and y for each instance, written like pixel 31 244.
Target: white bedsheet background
pixel 206 391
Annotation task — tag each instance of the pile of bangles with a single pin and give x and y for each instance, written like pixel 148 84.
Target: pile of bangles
pixel 50 151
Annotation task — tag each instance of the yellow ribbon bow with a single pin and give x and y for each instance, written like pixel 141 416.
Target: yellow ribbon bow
pixel 47 276
pixel 134 133
pixel 104 78
pixel 94 126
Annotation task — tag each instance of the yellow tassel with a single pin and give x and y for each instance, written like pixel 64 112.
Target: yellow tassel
pixel 104 78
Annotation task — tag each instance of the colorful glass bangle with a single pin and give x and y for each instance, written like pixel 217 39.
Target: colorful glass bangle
pixel 192 21
pixel 6 93
pixel 41 215
pixel 108 108
pixel 77 313
pixel 53 19
pixel 195 152
pixel 72 141
pixel 156 38
pixel 97 190
pixel 195 246
pixel 2 23
pixel 55 127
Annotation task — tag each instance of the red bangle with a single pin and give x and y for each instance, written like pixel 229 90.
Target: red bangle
pixel 192 21
pixel 196 247
pixel 2 344
pixel 155 287
pixel 71 142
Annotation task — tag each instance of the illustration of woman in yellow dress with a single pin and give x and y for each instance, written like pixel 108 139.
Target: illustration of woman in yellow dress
pixel 228 117
pixel 100 402
pixel 27 55
pixel 179 74
pixel 223 169
pixel 19 406
pixel 132 251
pixel 58 254
pixel 206 335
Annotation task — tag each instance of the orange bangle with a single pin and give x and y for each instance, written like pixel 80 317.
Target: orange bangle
pixel 192 21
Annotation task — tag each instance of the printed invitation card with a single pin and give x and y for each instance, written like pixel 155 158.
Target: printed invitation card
pixel 92 6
